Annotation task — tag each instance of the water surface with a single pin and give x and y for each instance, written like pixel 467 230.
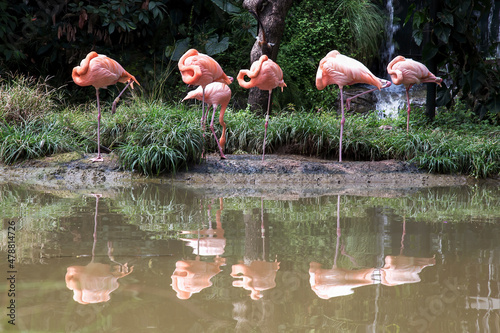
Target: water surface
pixel 156 258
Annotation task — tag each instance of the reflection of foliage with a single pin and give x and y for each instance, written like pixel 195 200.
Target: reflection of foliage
pixel 37 216
pixel 308 223
pixel 156 209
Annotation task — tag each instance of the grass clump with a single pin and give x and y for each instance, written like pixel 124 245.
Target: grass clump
pixel 27 130
pixel 153 137
pixel 25 98
pixel 33 139
pixel 149 137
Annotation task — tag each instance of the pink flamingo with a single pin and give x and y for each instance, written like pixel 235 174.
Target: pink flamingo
pixel 216 93
pixel 410 72
pixel 99 71
pixel 341 70
pixel 199 69
pixel 264 74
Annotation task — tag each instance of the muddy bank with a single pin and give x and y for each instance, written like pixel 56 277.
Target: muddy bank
pixel 293 176
pixel 278 176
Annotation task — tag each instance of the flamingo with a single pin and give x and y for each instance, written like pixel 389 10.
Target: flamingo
pixel 99 71
pixel 264 74
pixel 199 69
pixel 410 72
pixel 216 93
pixel 341 70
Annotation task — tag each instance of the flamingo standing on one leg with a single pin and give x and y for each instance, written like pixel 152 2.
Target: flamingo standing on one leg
pixel 99 71
pixel 199 69
pixel 264 74
pixel 341 70
pixel 216 93
pixel 410 72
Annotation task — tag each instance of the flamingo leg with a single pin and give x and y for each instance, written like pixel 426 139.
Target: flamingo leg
pixel 222 140
pixel 117 99
pixel 215 136
pixel 385 84
pixel 99 157
pixel 203 117
pixel 409 109
pixel 342 121
pixel 265 126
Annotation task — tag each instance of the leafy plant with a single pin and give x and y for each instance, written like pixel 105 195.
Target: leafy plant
pixel 26 98
pixel 313 29
pixel 455 31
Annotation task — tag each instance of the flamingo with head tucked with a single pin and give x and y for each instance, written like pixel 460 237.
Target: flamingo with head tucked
pixel 409 72
pixel 341 70
pixel 216 93
pixel 264 74
pixel 199 69
pixel 99 71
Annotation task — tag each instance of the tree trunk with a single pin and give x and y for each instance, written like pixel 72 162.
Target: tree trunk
pixel 271 14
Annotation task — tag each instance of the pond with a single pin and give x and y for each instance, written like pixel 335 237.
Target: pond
pixel 161 258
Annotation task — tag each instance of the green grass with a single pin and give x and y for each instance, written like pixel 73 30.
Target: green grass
pixel 153 137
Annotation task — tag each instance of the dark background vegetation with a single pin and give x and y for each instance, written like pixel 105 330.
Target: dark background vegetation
pixel 49 37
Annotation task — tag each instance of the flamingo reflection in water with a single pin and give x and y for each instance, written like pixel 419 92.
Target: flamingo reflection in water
pixel 402 269
pixel 334 282
pixel 328 283
pixel 192 276
pixel 257 275
pixel 95 282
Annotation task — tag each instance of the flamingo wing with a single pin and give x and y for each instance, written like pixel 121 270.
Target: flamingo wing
pixel 264 74
pixel 409 72
pixel 341 70
pixel 100 71
pixel 199 69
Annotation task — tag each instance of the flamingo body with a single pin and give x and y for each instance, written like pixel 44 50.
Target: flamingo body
pixel 199 69
pixel 264 74
pixel 409 72
pixel 216 93
pixel 100 71
pixel 336 68
pixel 341 70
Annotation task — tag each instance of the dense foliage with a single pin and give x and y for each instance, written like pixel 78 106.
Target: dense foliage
pixel 154 137
pixel 314 28
pixel 472 71
pixel 50 37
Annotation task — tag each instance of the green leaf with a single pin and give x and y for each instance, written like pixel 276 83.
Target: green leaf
pixel 122 25
pixel 442 33
pixel 429 51
pixel 494 104
pixel 176 52
pixel 409 13
pixel 226 6
pixel 213 46
pixel 463 7
pixel 446 17
pixel 478 80
pixel 111 28
pixel 443 95
pixel 44 49
pixel 419 19
pixel 418 36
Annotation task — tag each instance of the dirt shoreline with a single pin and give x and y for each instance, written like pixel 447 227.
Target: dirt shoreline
pixel 283 175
